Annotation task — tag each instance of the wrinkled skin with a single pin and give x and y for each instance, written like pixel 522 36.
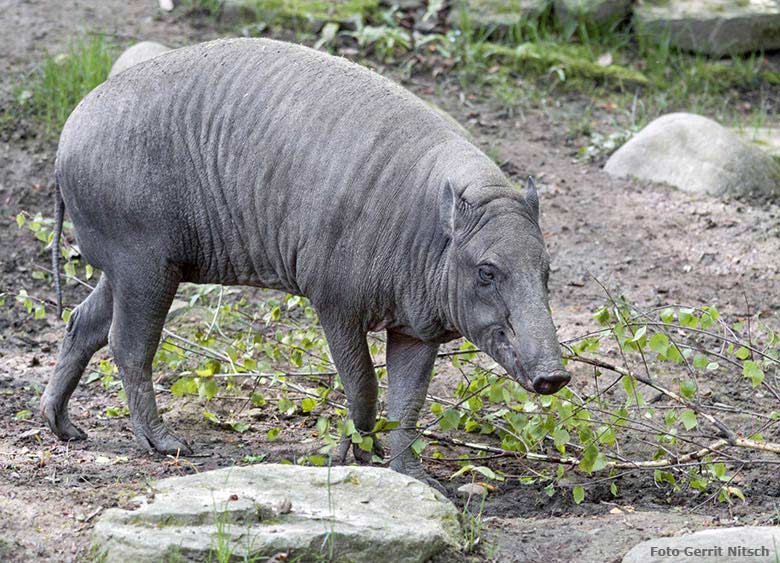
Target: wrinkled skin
pixel 262 163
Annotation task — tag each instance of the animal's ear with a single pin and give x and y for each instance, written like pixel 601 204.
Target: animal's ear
pixel 448 208
pixel 532 198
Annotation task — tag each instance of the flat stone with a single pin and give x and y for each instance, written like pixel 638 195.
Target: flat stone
pixel 138 53
pixel 751 544
pixel 362 514
pixel 497 13
pixel 713 27
pixel 582 539
pixel 598 12
pixel 698 155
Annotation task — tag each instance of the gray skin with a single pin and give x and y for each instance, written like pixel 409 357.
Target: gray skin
pixel 261 163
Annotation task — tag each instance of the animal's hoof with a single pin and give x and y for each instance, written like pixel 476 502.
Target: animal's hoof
pixel 416 470
pixel 60 423
pixel 162 441
pixel 362 457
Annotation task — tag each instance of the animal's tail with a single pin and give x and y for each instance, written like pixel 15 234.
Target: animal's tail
pixel 59 212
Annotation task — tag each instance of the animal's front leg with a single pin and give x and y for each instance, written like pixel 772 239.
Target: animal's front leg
pixel 409 365
pixel 353 361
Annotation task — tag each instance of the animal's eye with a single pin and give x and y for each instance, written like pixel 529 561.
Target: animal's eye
pixel 486 274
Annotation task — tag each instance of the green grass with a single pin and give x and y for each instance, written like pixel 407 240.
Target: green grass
pixel 643 76
pixel 63 80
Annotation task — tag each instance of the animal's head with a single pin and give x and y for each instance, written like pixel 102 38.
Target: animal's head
pixel 497 285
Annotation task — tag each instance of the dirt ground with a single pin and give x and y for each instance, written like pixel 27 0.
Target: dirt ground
pixel 656 244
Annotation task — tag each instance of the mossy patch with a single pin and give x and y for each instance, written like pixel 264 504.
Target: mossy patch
pixel 569 61
pixel 315 12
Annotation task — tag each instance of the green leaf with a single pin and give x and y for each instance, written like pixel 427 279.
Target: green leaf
pixel 318 460
pixel 383 425
pixel 687 388
pixel 613 489
pixel 742 353
pixel 207 388
pixel 688 418
pixel 418 446
pixel 687 318
pixel 20 220
pixel 114 411
pixel 667 315
pixel 700 361
pixel 592 459
pixel 308 404
pixel 366 444
pixel 659 343
pixel 286 406
pixel 183 385
pixel 560 437
pixel 238 426
pixel 273 433
pixel 450 419
pixel 753 372
pixel 578 494
pixel 602 315
pixel 23 415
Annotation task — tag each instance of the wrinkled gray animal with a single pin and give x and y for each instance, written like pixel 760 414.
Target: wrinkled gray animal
pixel 262 163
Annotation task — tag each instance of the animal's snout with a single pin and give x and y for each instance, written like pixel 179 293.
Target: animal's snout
pixel 549 383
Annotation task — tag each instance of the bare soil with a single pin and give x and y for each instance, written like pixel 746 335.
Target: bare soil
pixel 656 244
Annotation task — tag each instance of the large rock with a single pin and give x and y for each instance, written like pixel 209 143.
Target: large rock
pixel 496 13
pixel 138 53
pixel 362 514
pixel 714 27
pixel 599 12
pixel 696 154
pixel 719 545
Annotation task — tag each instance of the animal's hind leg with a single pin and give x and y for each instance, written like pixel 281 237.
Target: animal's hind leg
pixel 87 332
pixel 142 295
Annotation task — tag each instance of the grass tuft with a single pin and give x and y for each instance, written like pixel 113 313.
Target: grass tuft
pixel 64 79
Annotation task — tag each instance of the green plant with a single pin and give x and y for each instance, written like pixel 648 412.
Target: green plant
pixel 63 80
pixel 272 351
pixel 472 525
pixel 206 7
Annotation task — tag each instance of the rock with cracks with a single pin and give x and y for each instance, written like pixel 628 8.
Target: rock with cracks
pixel 751 544
pixel 138 53
pixel 496 13
pixel 359 514
pixel 599 12
pixel 713 27
pixel 696 154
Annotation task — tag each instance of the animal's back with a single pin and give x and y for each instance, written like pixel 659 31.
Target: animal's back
pixel 223 147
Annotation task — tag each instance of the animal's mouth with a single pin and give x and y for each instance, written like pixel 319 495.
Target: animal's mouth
pixel 544 383
pixel 507 356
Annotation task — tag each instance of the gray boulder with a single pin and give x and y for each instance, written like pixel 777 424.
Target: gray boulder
pixel 696 154
pixel 136 54
pixel 718 545
pixel 713 27
pixel 599 12
pixel 360 514
pixel 496 13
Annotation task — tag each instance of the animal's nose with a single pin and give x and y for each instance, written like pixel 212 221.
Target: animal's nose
pixel 549 383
